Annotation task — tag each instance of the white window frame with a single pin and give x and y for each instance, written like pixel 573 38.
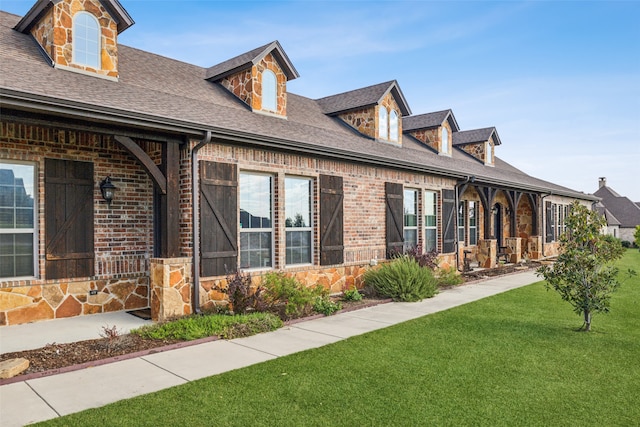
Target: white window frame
pixel 406 227
pixel 487 153
pixel 33 231
pixel 462 223
pixel 445 141
pixel 81 38
pixel 309 228
pixel 269 91
pixel 258 230
pixel 426 222
pixel 393 126
pixel 383 119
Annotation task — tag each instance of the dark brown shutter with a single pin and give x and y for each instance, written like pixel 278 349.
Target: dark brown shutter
pixel 68 210
pixel 394 218
pixel 549 222
pixel 331 220
pixel 218 218
pixel 448 221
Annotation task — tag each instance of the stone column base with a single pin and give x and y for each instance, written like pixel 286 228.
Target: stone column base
pixel 170 288
pixel 534 247
pixel 514 249
pixel 487 252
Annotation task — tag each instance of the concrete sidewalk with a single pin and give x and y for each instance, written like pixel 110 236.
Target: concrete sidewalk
pixel 49 397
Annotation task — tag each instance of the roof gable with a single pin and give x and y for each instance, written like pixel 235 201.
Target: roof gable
pixel 251 58
pixel 31 18
pixel 476 136
pixel 627 212
pixel 430 120
pixel 364 97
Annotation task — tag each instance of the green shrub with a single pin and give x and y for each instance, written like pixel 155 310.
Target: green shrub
pixel 448 277
pixel 198 326
pixel 324 305
pixel 351 295
pixel 288 297
pixel 402 280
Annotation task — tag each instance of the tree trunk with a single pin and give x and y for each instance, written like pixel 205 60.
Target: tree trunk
pixel 587 320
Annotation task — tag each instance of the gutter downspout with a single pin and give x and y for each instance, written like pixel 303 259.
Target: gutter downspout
pixel 196 221
pixel 467 179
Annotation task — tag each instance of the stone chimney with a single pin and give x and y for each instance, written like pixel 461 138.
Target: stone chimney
pixel 603 181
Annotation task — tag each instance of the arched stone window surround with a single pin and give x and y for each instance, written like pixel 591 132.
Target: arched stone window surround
pixel 269 91
pixel 86 40
pixel 393 126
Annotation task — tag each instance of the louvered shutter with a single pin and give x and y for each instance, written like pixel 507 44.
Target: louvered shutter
pixel 448 221
pixel 218 218
pixel 394 218
pixel 68 187
pixel 548 222
pixel 331 220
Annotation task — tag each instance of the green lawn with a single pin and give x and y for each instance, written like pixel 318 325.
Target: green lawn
pixel 513 359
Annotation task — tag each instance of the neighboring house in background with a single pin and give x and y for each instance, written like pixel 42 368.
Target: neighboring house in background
pixel 620 210
pixel 612 227
pixel 221 168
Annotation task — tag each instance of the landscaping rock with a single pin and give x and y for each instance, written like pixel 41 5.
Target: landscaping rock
pixel 12 367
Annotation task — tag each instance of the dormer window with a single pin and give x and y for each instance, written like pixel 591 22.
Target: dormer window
pixel 445 141
pixel 383 117
pixel 269 91
pixel 393 126
pixel 86 40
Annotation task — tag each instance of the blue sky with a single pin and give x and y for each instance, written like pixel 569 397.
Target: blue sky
pixel 559 80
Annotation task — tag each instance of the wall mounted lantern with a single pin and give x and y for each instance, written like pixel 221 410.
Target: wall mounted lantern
pixel 107 189
pixel 494 209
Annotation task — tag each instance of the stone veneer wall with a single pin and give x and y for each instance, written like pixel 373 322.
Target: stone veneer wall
pixel 478 151
pixel 433 137
pixel 364 120
pixel 247 85
pixel 54 32
pixel 123 233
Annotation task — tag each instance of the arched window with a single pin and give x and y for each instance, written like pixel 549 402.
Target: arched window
pixel 382 119
pixel 445 141
pixel 487 153
pixel 269 91
pixel 393 125
pixel 86 40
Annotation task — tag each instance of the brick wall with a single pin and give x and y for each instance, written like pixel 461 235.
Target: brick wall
pixel 123 233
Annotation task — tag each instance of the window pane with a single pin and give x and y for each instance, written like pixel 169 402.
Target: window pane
pixel 297 202
pixel 7 218
pixel 255 249
pixel 410 238
pixel 298 247
pixel 430 239
pixel 445 141
pixel 410 208
pixel 16 255
pixel 393 125
pixel 255 201
pixel 86 40
pixel 382 123
pixel 269 91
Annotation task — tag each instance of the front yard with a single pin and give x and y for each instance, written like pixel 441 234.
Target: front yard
pixel 512 359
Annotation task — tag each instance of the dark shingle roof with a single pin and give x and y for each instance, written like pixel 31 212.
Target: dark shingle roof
pixel 610 218
pixel 117 12
pixel 627 212
pixel 476 136
pixel 154 92
pixel 363 97
pixel 430 120
pixel 248 59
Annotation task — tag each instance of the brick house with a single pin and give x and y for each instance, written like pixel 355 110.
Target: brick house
pixel 221 168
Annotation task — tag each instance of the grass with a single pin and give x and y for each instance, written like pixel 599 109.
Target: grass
pixel 512 359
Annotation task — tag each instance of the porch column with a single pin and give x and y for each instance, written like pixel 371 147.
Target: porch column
pixel 514 249
pixel 171 283
pixel 487 253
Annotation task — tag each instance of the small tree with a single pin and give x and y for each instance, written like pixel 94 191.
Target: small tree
pixel 583 274
pixel 637 236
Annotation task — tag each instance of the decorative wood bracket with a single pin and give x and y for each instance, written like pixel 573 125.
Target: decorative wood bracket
pixel 152 169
